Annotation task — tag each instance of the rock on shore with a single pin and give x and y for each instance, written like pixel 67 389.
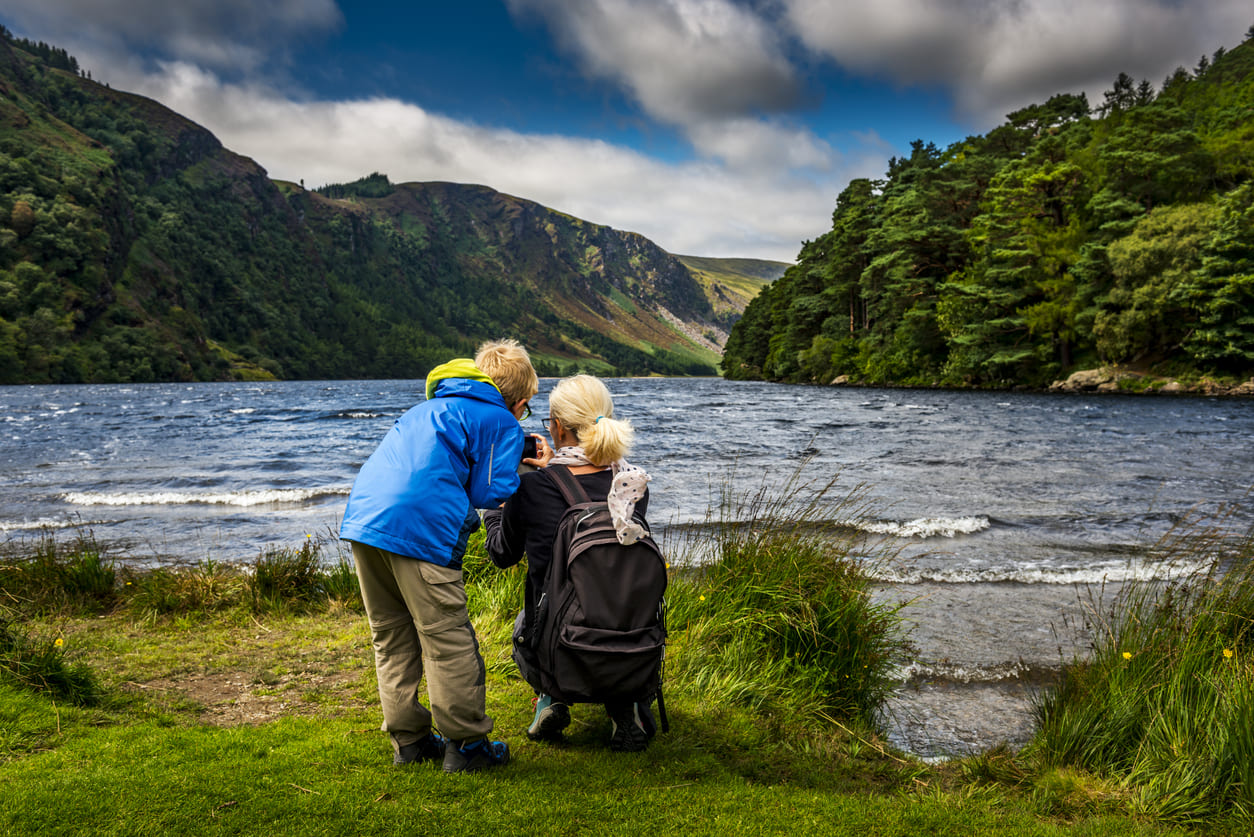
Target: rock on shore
pixel 1119 379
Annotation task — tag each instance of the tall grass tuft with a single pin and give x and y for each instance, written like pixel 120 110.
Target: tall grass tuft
pixel 1165 702
pixel 55 574
pixel 48 575
pixel 778 615
pixel 343 589
pixel 493 596
pixel 285 579
pixel 208 587
pixel 40 664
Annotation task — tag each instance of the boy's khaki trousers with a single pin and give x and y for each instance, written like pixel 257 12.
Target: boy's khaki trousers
pixel 419 623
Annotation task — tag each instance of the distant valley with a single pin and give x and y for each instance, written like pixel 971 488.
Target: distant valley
pixel 135 247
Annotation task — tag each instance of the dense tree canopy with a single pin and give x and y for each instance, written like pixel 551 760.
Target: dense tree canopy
pixel 1060 239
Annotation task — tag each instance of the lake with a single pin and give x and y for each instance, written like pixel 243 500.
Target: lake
pixel 1011 510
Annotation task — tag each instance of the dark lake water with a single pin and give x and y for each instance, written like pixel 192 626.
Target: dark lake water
pixel 1010 510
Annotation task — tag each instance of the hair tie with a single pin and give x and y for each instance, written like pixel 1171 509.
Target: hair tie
pixel 598 419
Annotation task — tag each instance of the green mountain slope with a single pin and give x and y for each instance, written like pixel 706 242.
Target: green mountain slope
pixel 134 247
pixel 731 283
pixel 1065 239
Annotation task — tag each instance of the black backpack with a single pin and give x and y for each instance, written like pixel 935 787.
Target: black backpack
pixel 602 627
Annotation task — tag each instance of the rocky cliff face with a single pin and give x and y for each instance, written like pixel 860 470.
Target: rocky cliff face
pixel 541 246
pixel 616 282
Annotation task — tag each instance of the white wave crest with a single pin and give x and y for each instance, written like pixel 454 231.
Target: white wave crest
pixel 959 673
pixel 44 523
pixel 243 411
pixel 258 497
pixel 1111 573
pixel 924 527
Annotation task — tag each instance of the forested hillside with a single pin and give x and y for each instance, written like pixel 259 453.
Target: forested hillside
pixel 1067 238
pixel 134 247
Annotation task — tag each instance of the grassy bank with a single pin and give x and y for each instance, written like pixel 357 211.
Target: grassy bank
pixel 218 699
pixel 1165 703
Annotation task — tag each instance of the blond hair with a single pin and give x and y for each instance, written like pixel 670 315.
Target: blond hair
pixel 583 405
pixel 509 366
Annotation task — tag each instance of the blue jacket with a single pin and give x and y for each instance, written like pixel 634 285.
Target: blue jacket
pixel 457 451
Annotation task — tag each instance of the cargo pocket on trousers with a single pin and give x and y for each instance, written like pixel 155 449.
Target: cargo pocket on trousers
pixel 447 596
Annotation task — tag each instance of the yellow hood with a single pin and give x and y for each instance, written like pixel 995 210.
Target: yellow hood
pixel 462 367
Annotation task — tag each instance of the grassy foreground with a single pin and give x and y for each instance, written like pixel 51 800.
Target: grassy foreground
pixel 307 757
pixel 221 700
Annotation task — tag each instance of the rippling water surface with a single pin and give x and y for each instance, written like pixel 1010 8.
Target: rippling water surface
pixel 1011 510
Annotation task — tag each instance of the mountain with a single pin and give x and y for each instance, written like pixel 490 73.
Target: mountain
pixel 135 247
pixel 730 284
pixel 1067 239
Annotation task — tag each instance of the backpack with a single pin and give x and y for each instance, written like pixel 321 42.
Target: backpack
pixel 601 616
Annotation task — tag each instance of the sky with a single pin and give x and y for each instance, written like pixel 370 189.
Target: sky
pixel 713 127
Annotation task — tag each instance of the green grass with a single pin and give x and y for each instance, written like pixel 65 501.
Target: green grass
pixel 39 663
pixel 212 714
pixel 51 574
pixel 313 776
pixel 779 619
pixel 1164 704
pixel 741 279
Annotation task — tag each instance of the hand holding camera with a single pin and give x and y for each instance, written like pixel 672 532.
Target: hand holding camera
pixel 536 453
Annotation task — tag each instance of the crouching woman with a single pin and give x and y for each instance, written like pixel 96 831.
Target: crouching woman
pixel 592 444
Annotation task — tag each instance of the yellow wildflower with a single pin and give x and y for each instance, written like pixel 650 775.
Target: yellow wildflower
pixel 59 642
pixel 1228 652
pixel 702 599
pixel 1127 655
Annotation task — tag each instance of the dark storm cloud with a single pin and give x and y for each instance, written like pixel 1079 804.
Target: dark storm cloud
pixel 221 34
pixel 999 56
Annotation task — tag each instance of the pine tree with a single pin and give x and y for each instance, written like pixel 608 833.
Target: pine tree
pixel 1223 290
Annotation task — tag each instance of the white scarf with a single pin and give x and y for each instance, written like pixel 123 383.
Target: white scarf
pixel 626 488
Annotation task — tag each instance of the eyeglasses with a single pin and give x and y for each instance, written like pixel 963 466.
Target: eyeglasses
pixel 545 422
pixel 526 411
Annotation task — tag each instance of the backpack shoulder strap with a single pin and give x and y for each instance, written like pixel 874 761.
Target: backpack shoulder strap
pixel 571 490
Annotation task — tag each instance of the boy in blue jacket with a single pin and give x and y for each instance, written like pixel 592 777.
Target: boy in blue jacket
pixel 410 512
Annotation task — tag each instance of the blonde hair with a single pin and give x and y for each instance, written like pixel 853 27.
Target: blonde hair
pixel 583 405
pixel 509 366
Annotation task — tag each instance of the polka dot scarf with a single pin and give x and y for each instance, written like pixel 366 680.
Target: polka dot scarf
pixel 626 489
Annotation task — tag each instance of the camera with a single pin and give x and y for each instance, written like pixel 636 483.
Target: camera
pixel 529 447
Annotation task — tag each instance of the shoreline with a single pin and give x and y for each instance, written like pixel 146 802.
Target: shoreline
pixel 1103 380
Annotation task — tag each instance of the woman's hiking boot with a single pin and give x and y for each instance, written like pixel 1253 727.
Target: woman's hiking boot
pixel 470 756
pixel 629 735
pixel 551 718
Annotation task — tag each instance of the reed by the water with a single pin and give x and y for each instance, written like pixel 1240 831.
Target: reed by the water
pixel 1164 703
pixel 773 610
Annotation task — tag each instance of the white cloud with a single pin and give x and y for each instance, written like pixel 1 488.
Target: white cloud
pixel 699 207
pixel 720 71
pixel 999 56
pixel 759 186
pixel 750 144
pixel 713 68
pixel 683 60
